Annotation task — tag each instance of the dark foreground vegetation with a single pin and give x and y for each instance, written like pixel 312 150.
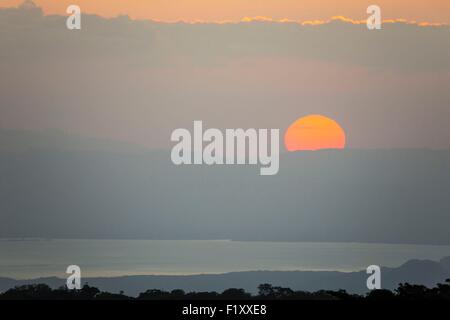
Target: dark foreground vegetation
pixel 405 291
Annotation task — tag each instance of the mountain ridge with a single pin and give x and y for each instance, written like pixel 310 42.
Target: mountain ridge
pixel 413 271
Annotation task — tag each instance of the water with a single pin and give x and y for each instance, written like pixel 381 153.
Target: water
pixel 25 259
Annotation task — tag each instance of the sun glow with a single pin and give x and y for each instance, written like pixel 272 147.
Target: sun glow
pixel 314 132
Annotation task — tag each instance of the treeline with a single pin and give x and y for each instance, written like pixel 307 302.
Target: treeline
pixel 405 291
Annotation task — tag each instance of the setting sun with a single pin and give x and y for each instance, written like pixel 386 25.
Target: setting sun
pixel 314 132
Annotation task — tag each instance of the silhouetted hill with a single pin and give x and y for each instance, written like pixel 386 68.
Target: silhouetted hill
pixel 424 272
pixel 19 141
pixel 420 272
pixel 445 262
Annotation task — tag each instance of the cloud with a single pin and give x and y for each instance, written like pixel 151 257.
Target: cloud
pixel 137 80
pixel 28 4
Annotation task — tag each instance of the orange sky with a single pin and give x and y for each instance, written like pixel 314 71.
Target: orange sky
pixel 433 11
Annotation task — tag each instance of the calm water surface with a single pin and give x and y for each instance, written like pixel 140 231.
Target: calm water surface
pixel 22 259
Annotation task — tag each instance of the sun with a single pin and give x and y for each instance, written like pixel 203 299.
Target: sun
pixel 314 132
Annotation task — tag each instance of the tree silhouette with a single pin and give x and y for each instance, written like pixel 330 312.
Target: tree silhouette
pixel 405 291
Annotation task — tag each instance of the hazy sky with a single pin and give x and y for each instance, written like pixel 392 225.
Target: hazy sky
pixel 138 81
pixel 436 11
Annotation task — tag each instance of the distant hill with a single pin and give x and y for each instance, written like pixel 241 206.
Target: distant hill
pixel 445 262
pixel 424 272
pixel 14 141
pixel 55 185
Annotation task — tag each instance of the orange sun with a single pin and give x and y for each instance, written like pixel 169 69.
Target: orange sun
pixel 314 132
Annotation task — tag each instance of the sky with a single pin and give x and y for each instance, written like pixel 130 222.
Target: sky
pixel 136 81
pixel 432 11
